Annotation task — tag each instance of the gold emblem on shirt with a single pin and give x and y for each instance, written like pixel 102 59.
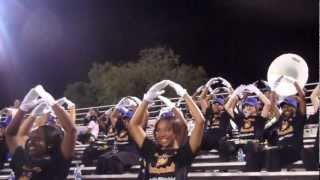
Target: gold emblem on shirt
pixel 247 126
pixel 162 165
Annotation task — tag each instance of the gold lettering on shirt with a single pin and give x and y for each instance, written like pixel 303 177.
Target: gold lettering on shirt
pixel 162 170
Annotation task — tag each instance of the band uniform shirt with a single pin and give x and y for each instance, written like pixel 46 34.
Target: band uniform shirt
pixel 164 164
pixel 54 167
pixel 250 128
pixel 290 131
pixel 217 124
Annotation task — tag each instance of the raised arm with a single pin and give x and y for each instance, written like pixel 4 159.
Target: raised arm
pixel 29 102
pixel 232 102
pixel 197 132
pixel 69 138
pixel 204 100
pixel 26 126
pixel 315 98
pixel 135 128
pixel 301 99
pixel 266 103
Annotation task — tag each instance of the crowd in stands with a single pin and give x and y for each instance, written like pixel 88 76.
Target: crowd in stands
pixel 248 123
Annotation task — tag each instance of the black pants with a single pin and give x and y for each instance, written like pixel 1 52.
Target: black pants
pixel 116 163
pixel 255 157
pixel 281 157
pixel 227 150
pixel 92 153
pixel 3 153
pixel 212 141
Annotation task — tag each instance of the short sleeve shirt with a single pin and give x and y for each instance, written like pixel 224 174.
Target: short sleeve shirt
pixel 164 164
pixel 290 131
pixel 218 124
pixel 250 128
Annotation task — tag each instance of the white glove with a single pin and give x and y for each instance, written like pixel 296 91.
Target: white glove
pixel 30 100
pixel 252 88
pixel 167 102
pixel 63 100
pixel 40 109
pixel 178 88
pixel 155 91
pixel 45 95
pixel 239 90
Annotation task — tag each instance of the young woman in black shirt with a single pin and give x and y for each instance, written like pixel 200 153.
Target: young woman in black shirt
pixel 288 132
pixel 165 159
pixel 250 123
pixel 46 152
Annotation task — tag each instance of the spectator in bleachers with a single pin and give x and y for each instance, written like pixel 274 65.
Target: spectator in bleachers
pixel 92 127
pixel 250 122
pixel 310 156
pixel 105 127
pixel 124 153
pixel 288 131
pixel 104 143
pixel 46 152
pixel 165 158
pixel 217 124
pixel 274 112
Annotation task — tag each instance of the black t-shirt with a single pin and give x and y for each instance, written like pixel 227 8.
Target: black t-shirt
pixel 123 140
pixel 314 118
pixel 290 131
pixel 54 167
pixel 251 127
pixel 217 123
pixel 164 164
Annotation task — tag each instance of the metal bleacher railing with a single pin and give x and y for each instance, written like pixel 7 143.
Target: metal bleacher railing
pixel 155 108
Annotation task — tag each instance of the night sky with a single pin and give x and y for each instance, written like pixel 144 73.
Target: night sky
pixel 55 42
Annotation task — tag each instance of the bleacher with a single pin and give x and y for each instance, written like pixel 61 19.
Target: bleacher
pixel 205 166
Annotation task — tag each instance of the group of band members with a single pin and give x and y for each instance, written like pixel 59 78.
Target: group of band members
pixel 249 117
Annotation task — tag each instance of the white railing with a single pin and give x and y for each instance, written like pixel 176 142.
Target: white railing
pixel 157 105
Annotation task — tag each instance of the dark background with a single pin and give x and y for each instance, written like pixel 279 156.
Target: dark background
pixel 54 42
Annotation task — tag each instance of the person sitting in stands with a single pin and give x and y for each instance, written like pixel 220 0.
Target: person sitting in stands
pixel 102 144
pixel 46 152
pixel 165 158
pixel 124 153
pixel 250 123
pixel 217 124
pixel 288 131
pixel 92 127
